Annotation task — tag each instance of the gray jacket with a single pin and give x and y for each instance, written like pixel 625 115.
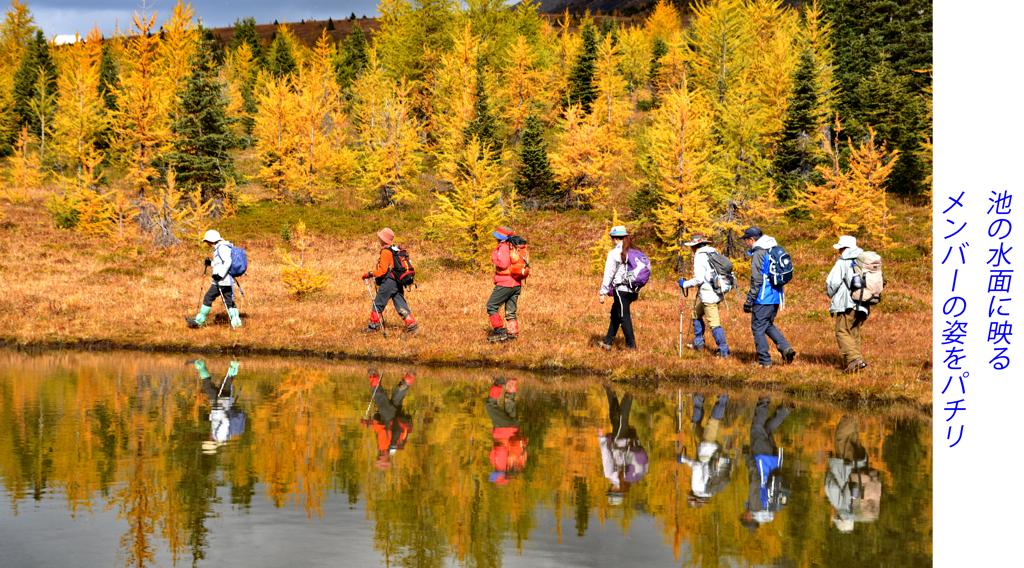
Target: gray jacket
pixel 221 263
pixel 839 282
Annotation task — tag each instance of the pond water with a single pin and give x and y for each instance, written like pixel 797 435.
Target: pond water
pixel 157 460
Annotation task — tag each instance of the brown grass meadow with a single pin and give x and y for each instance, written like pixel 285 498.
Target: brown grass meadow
pixel 63 289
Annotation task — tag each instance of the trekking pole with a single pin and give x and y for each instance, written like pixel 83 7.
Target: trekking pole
pixel 374 393
pixel 682 294
pixel 374 306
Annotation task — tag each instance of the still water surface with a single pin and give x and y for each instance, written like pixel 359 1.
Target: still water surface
pixel 155 460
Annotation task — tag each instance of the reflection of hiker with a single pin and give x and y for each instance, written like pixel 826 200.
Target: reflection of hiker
pixel 763 300
pixel 222 285
pixel 614 284
pixel 388 288
pixel 508 455
pixel 623 458
pixel 851 486
pixel 849 314
pixel 710 471
pixel 768 491
pixel 506 289
pixel 226 420
pixel 389 422
pixel 705 306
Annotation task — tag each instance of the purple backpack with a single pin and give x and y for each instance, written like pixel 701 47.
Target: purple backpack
pixel 638 270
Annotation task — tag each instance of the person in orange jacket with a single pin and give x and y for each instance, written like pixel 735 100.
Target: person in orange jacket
pixel 390 423
pixel 508 455
pixel 506 290
pixel 388 288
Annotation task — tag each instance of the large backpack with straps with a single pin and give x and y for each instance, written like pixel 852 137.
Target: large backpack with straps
pixel 638 270
pixel 724 280
pixel 779 491
pixel 239 262
pixel 780 267
pixel 868 283
pixel 519 253
pixel 401 266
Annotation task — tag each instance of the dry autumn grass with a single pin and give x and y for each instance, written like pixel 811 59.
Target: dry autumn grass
pixel 61 288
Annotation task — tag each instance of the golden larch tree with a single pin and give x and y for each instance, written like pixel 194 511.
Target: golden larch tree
pixel 275 134
pixel 833 204
pixel 523 85
pixel 80 119
pixel 584 159
pixel 870 166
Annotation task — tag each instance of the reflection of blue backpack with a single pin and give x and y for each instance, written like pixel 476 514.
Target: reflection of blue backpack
pixel 638 270
pixel 239 263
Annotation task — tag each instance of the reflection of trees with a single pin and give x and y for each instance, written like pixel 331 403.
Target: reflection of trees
pixel 130 441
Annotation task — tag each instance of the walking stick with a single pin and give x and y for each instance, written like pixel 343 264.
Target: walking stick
pixel 374 393
pixel 374 306
pixel 682 294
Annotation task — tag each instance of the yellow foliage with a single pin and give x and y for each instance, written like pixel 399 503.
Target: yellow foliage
pixel 170 215
pixel 177 47
pixel 603 245
pixel 834 204
pixel 275 136
pixel 141 122
pixel 664 21
pixel 870 166
pixel 586 156
pixel 523 86
pixel 679 140
pixel 467 214
pixel 455 99
pixel 296 277
pixel 818 32
pixel 382 111
pixel 25 169
pixel 81 118
pixel 611 105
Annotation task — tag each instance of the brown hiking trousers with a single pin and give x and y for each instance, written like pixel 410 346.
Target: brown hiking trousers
pixel 848 326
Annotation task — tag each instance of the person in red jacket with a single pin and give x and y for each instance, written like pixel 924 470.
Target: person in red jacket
pixel 508 455
pixel 506 290
pixel 390 423
pixel 388 288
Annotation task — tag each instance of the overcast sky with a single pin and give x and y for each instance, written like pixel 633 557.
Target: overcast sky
pixel 57 17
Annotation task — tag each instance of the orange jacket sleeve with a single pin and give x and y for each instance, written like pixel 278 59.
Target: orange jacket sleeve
pixel 384 264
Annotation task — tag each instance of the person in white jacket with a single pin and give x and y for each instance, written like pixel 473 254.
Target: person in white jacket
pixel 710 471
pixel 614 285
pixel 222 285
pixel 705 306
pixel 849 314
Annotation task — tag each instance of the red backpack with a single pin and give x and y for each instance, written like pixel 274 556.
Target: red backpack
pixel 401 267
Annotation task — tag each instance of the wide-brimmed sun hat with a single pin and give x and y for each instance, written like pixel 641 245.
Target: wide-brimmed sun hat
pixel 212 236
pixel 846 241
pixel 697 239
pixel 386 235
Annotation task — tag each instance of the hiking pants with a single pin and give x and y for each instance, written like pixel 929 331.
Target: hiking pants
pixel 762 430
pixel 762 323
pixel 707 433
pixel 390 290
pixel 503 417
pixel 706 312
pixel 848 441
pixel 390 409
pixel 618 415
pixel 502 296
pixel 848 326
pixel 215 291
pixel 620 317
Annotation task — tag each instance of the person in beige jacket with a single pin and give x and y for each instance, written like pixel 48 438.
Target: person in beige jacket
pixel 849 314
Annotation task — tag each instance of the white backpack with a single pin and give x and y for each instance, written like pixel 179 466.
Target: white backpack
pixel 867 279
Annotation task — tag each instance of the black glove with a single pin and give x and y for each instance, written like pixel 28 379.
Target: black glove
pixel 217 279
pixel 206 262
pixel 748 306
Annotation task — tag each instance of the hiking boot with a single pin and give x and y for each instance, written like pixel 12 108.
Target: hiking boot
pixel 372 328
pixel 788 355
pixel 412 329
pixel 500 334
pixel 694 347
pixel 722 354
pixel 856 365
pixel 762 365
pixel 191 322
pixel 236 319
pixel 603 345
pixel 200 318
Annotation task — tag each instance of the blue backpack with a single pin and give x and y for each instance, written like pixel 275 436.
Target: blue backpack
pixel 638 269
pixel 780 267
pixel 239 263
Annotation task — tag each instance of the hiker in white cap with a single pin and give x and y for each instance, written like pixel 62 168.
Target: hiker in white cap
pixel 616 285
pixel 222 284
pixel 849 315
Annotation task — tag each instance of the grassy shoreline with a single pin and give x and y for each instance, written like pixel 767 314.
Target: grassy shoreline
pixel 63 289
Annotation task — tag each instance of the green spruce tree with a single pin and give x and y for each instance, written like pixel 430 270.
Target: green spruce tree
pixel 330 24
pixel 582 90
pixel 535 181
pixel 280 57
pixel 352 57
pixel 27 83
pixel 483 125
pixel 202 133
pixel 110 78
pixel 795 159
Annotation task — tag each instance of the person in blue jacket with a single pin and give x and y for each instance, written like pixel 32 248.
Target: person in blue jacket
pixel 767 493
pixel 763 300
